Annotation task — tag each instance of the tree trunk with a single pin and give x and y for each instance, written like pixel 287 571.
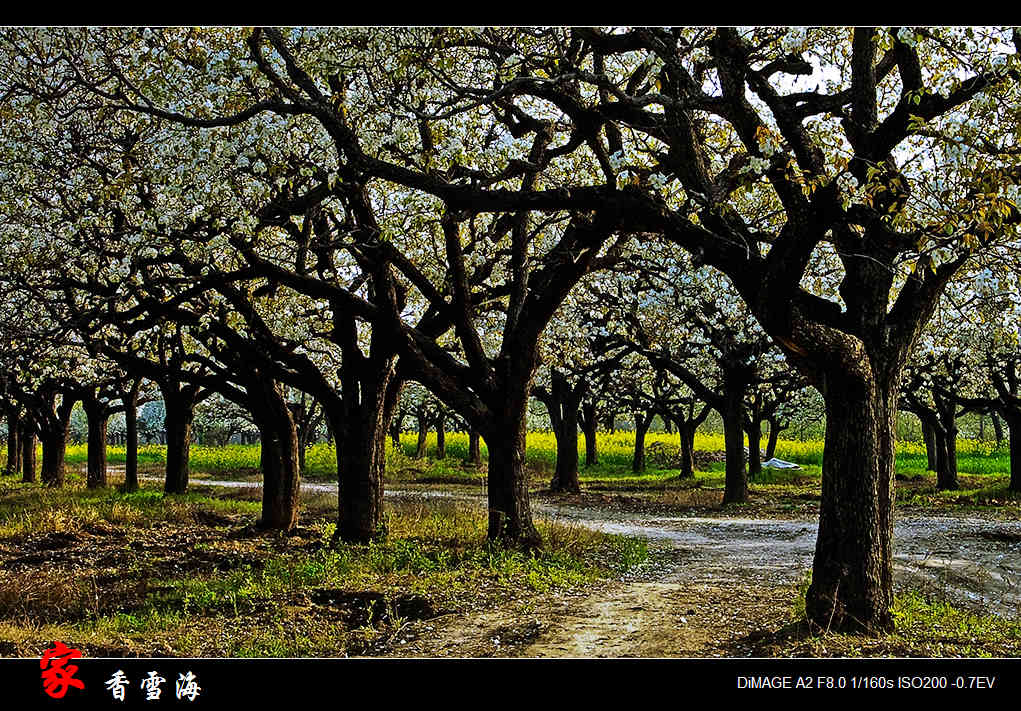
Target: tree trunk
pixel 279 458
pixel 641 428
pixel 589 424
pixel 28 450
pixel 474 449
pixel 1014 432
pixel 852 585
pixel 361 468
pixel 736 478
pixel 565 477
pixel 280 477
pixel 14 427
pixel 686 437
pixel 774 436
pixel 54 453
pixel 946 475
pixel 131 439
pixel 929 435
pixel 395 431
pixel 510 513
pixel 180 412
pixel 754 450
pixel 423 432
pixel 997 429
pixel 96 467
pixel 361 455
pixel 441 437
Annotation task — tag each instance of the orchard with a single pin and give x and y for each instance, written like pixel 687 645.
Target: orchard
pixel 390 302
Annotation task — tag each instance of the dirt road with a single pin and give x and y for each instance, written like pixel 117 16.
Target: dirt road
pixel 732 579
pixel 712 584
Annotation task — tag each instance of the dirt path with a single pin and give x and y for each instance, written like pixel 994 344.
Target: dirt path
pixel 711 587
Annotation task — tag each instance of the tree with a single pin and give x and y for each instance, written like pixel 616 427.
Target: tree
pixel 980 369
pixel 769 400
pixel 691 324
pixel 836 167
pixel 929 391
pixel 575 360
pixel 562 400
pixel 129 396
pixel 99 402
pixel 839 179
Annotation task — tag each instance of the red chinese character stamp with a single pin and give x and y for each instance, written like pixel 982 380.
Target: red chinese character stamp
pixel 58 677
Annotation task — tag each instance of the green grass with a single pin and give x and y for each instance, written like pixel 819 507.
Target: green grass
pixel 31 508
pixel 923 626
pixel 615 454
pixel 155 574
pixel 921 620
pixel 979 491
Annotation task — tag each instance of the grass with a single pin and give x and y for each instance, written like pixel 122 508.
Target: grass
pixel 143 573
pixel 924 625
pixel 26 509
pixel 616 450
pixel 778 493
pixel 615 454
pixel 122 574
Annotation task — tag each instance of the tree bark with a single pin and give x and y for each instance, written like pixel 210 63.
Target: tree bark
pixel 589 424
pixel 441 436
pixel 98 420
pixel 510 514
pixel 423 432
pixel 131 438
pixel 28 436
pixel 14 427
pixel 305 424
pixel 944 421
pixel 565 477
pixel 946 475
pixel 754 450
pixel 474 449
pixel 54 441
pixel 1014 432
pixel 279 458
pixel 361 468
pixel 396 425
pixel 361 455
pixel 929 435
pixel 563 401
pixel 852 585
pixel 642 423
pixel 736 478
pixel 180 412
pixel 774 436
pixel 997 429
pixel 686 437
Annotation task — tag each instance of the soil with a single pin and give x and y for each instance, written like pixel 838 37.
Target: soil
pixel 713 586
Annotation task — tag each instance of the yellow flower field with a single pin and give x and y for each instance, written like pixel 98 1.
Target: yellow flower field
pixel 615 450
